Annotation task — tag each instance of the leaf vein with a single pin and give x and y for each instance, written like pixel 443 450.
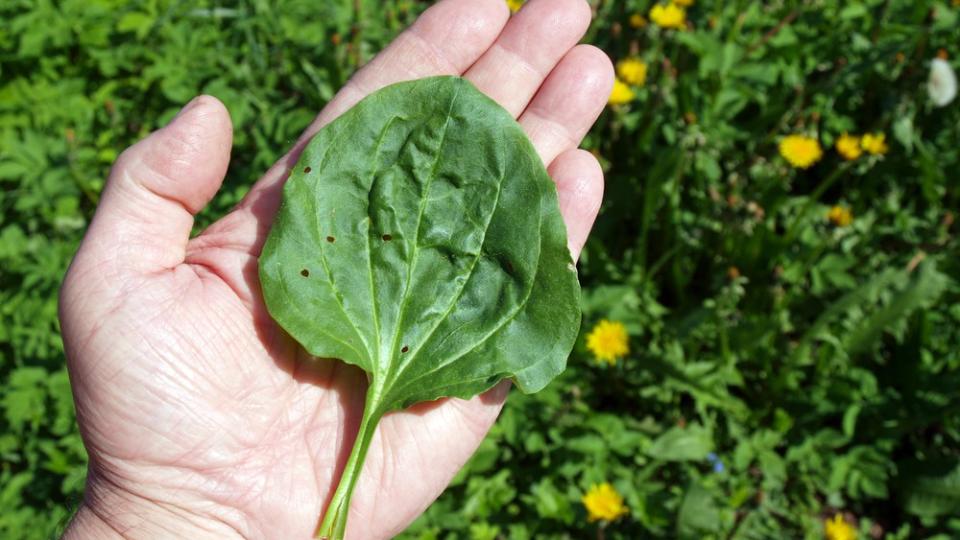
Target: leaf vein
pixel 326 267
pixel 490 334
pixel 463 287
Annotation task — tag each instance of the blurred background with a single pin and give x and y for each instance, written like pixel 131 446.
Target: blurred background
pixel 771 339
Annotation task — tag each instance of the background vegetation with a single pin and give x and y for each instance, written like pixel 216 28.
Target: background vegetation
pixel 783 367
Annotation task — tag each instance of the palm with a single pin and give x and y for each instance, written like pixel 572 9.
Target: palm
pixel 187 391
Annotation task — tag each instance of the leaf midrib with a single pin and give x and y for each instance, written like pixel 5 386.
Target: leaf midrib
pixel 373 286
pixel 414 250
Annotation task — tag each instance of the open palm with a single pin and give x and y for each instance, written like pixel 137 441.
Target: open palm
pixel 201 417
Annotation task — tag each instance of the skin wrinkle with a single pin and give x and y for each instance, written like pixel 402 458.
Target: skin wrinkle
pixel 237 487
pixel 546 129
pixel 438 62
pixel 565 20
pixel 88 276
pixel 546 106
pixel 520 60
pixel 143 185
pixel 224 233
pixel 312 451
pixel 233 338
pixel 204 271
pixel 121 489
pixel 93 333
pixel 335 470
pixel 115 302
pixel 98 512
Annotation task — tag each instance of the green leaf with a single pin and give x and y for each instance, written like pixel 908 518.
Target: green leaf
pixel 550 502
pixel 137 22
pixel 689 443
pixel 699 515
pixel 931 488
pixel 420 239
pixel 24 397
pixel 925 287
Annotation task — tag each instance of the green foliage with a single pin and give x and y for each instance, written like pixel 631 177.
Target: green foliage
pixel 931 488
pixel 465 277
pixel 782 368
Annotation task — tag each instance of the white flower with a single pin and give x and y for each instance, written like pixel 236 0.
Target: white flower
pixel 942 85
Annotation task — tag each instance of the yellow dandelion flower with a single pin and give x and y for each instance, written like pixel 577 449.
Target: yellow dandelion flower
pixel 604 503
pixel 874 143
pixel 632 71
pixel 800 151
pixel 668 16
pixel 608 341
pixel 840 216
pixel 639 21
pixel 838 529
pixel 684 3
pixel 848 146
pixel 621 93
pixel 515 5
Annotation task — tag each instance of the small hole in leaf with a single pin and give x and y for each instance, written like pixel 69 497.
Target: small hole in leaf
pixel 387 237
pixel 307 170
pixel 305 273
pixel 331 239
pixel 405 349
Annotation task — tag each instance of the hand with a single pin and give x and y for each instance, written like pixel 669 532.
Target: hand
pixel 201 417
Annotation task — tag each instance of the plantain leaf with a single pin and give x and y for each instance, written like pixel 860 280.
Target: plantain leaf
pixel 420 239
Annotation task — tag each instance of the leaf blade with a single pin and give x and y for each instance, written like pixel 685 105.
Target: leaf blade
pixel 434 252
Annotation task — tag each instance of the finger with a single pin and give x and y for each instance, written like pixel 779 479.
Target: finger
pixel 579 181
pixel 527 51
pixel 145 215
pixel 569 102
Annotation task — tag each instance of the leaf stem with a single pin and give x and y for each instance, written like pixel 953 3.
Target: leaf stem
pixel 334 524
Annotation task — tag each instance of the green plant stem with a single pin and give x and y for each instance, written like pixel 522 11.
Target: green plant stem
pixel 334 524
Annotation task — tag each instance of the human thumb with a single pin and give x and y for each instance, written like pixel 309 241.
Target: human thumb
pixel 156 186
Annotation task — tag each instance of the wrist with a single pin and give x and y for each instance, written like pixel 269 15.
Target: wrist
pixel 108 512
